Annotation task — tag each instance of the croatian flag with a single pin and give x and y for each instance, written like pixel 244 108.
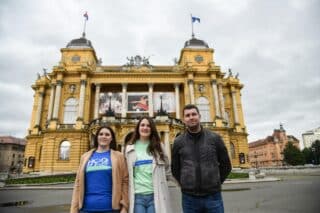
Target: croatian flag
pixel 86 16
pixel 194 19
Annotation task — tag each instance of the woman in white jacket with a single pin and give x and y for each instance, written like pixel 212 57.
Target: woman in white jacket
pixel 149 169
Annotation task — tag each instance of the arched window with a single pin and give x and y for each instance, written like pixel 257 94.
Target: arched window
pixel 232 151
pixel 70 111
pixel 64 150
pixel 227 118
pixel 203 105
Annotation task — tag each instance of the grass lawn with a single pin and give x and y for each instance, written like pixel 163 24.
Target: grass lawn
pixel 71 177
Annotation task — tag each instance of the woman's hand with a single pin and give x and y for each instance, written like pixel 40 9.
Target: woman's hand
pixel 123 210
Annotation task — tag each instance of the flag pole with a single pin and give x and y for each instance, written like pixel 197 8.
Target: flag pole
pixel 192 26
pixel 84 28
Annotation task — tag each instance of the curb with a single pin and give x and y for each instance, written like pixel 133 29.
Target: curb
pixel 267 179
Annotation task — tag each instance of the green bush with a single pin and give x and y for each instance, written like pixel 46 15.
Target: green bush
pixel 71 177
pixel 43 179
pixel 238 175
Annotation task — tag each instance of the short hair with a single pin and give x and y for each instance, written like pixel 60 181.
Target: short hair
pixel 113 143
pixel 190 106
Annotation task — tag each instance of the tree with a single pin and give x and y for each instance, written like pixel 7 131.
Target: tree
pixel 292 155
pixel 308 155
pixel 315 148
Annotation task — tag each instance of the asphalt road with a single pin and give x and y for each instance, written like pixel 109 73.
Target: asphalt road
pixel 292 194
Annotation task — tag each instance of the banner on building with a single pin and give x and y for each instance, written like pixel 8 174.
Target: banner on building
pixel 138 102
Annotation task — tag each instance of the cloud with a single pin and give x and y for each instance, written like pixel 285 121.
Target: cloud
pixel 274 45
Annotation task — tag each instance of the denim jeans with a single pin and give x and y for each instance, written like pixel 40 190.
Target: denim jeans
pixel 203 204
pixel 144 203
pixel 113 211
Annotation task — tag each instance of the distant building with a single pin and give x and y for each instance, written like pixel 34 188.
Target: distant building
pixel 269 151
pixel 310 136
pixel 11 154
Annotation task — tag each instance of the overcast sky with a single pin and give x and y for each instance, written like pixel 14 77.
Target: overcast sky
pixel 273 44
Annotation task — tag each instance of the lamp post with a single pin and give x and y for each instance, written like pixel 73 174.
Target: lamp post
pixel 110 112
pixel 256 161
pixel 161 112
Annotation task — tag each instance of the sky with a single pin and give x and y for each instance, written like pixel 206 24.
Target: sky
pixel 273 45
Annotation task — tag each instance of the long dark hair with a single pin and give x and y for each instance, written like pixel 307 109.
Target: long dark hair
pixel 113 143
pixel 154 147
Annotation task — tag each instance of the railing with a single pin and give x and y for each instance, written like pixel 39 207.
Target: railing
pixel 66 126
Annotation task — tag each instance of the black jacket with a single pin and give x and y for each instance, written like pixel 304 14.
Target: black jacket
pixel 200 163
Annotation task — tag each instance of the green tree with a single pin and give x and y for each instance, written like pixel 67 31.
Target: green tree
pixel 308 155
pixel 292 155
pixel 315 148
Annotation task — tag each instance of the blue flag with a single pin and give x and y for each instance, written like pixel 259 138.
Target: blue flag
pixel 194 19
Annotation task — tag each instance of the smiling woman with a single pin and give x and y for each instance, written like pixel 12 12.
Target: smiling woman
pixel 102 179
pixel 148 170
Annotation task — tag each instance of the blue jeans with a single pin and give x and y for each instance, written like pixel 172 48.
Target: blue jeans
pixel 144 203
pixel 113 211
pixel 203 204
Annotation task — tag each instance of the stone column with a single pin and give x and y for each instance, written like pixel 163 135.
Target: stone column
pixel 235 110
pixel 39 109
pixel 150 100
pixel 223 113
pixel 167 145
pixel 57 100
pixel 177 94
pixel 96 101
pixel 215 98
pixel 81 98
pixel 191 90
pixel 53 88
pixel 124 100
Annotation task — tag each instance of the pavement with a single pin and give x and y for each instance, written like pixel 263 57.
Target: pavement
pixel 66 186
pixel 294 193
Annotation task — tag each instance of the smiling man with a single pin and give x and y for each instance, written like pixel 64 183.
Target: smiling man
pixel 200 163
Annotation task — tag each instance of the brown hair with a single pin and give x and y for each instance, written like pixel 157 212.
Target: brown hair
pixel 113 143
pixel 154 147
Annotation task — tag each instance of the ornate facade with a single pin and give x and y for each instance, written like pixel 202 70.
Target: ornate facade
pixel 80 93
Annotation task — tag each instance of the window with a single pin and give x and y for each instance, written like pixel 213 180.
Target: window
pixel 203 105
pixel 70 111
pixel 40 152
pixel 31 162
pixel 232 151
pixel 64 150
pixel 226 115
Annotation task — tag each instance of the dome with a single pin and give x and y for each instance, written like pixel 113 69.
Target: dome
pixel 80 43
pixel 195 43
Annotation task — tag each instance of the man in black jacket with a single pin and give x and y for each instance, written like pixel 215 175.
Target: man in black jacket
pixel 200 163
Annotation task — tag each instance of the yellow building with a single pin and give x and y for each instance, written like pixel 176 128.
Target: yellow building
pixel 80 93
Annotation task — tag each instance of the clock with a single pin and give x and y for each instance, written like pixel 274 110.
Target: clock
pixel 75 58
pixel 198 58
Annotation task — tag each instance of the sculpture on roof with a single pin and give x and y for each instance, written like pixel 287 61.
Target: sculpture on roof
pixel 138 61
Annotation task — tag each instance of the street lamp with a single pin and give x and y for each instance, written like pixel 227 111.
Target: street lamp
pixel 161 112
pixel 255 157
pixel 110 112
